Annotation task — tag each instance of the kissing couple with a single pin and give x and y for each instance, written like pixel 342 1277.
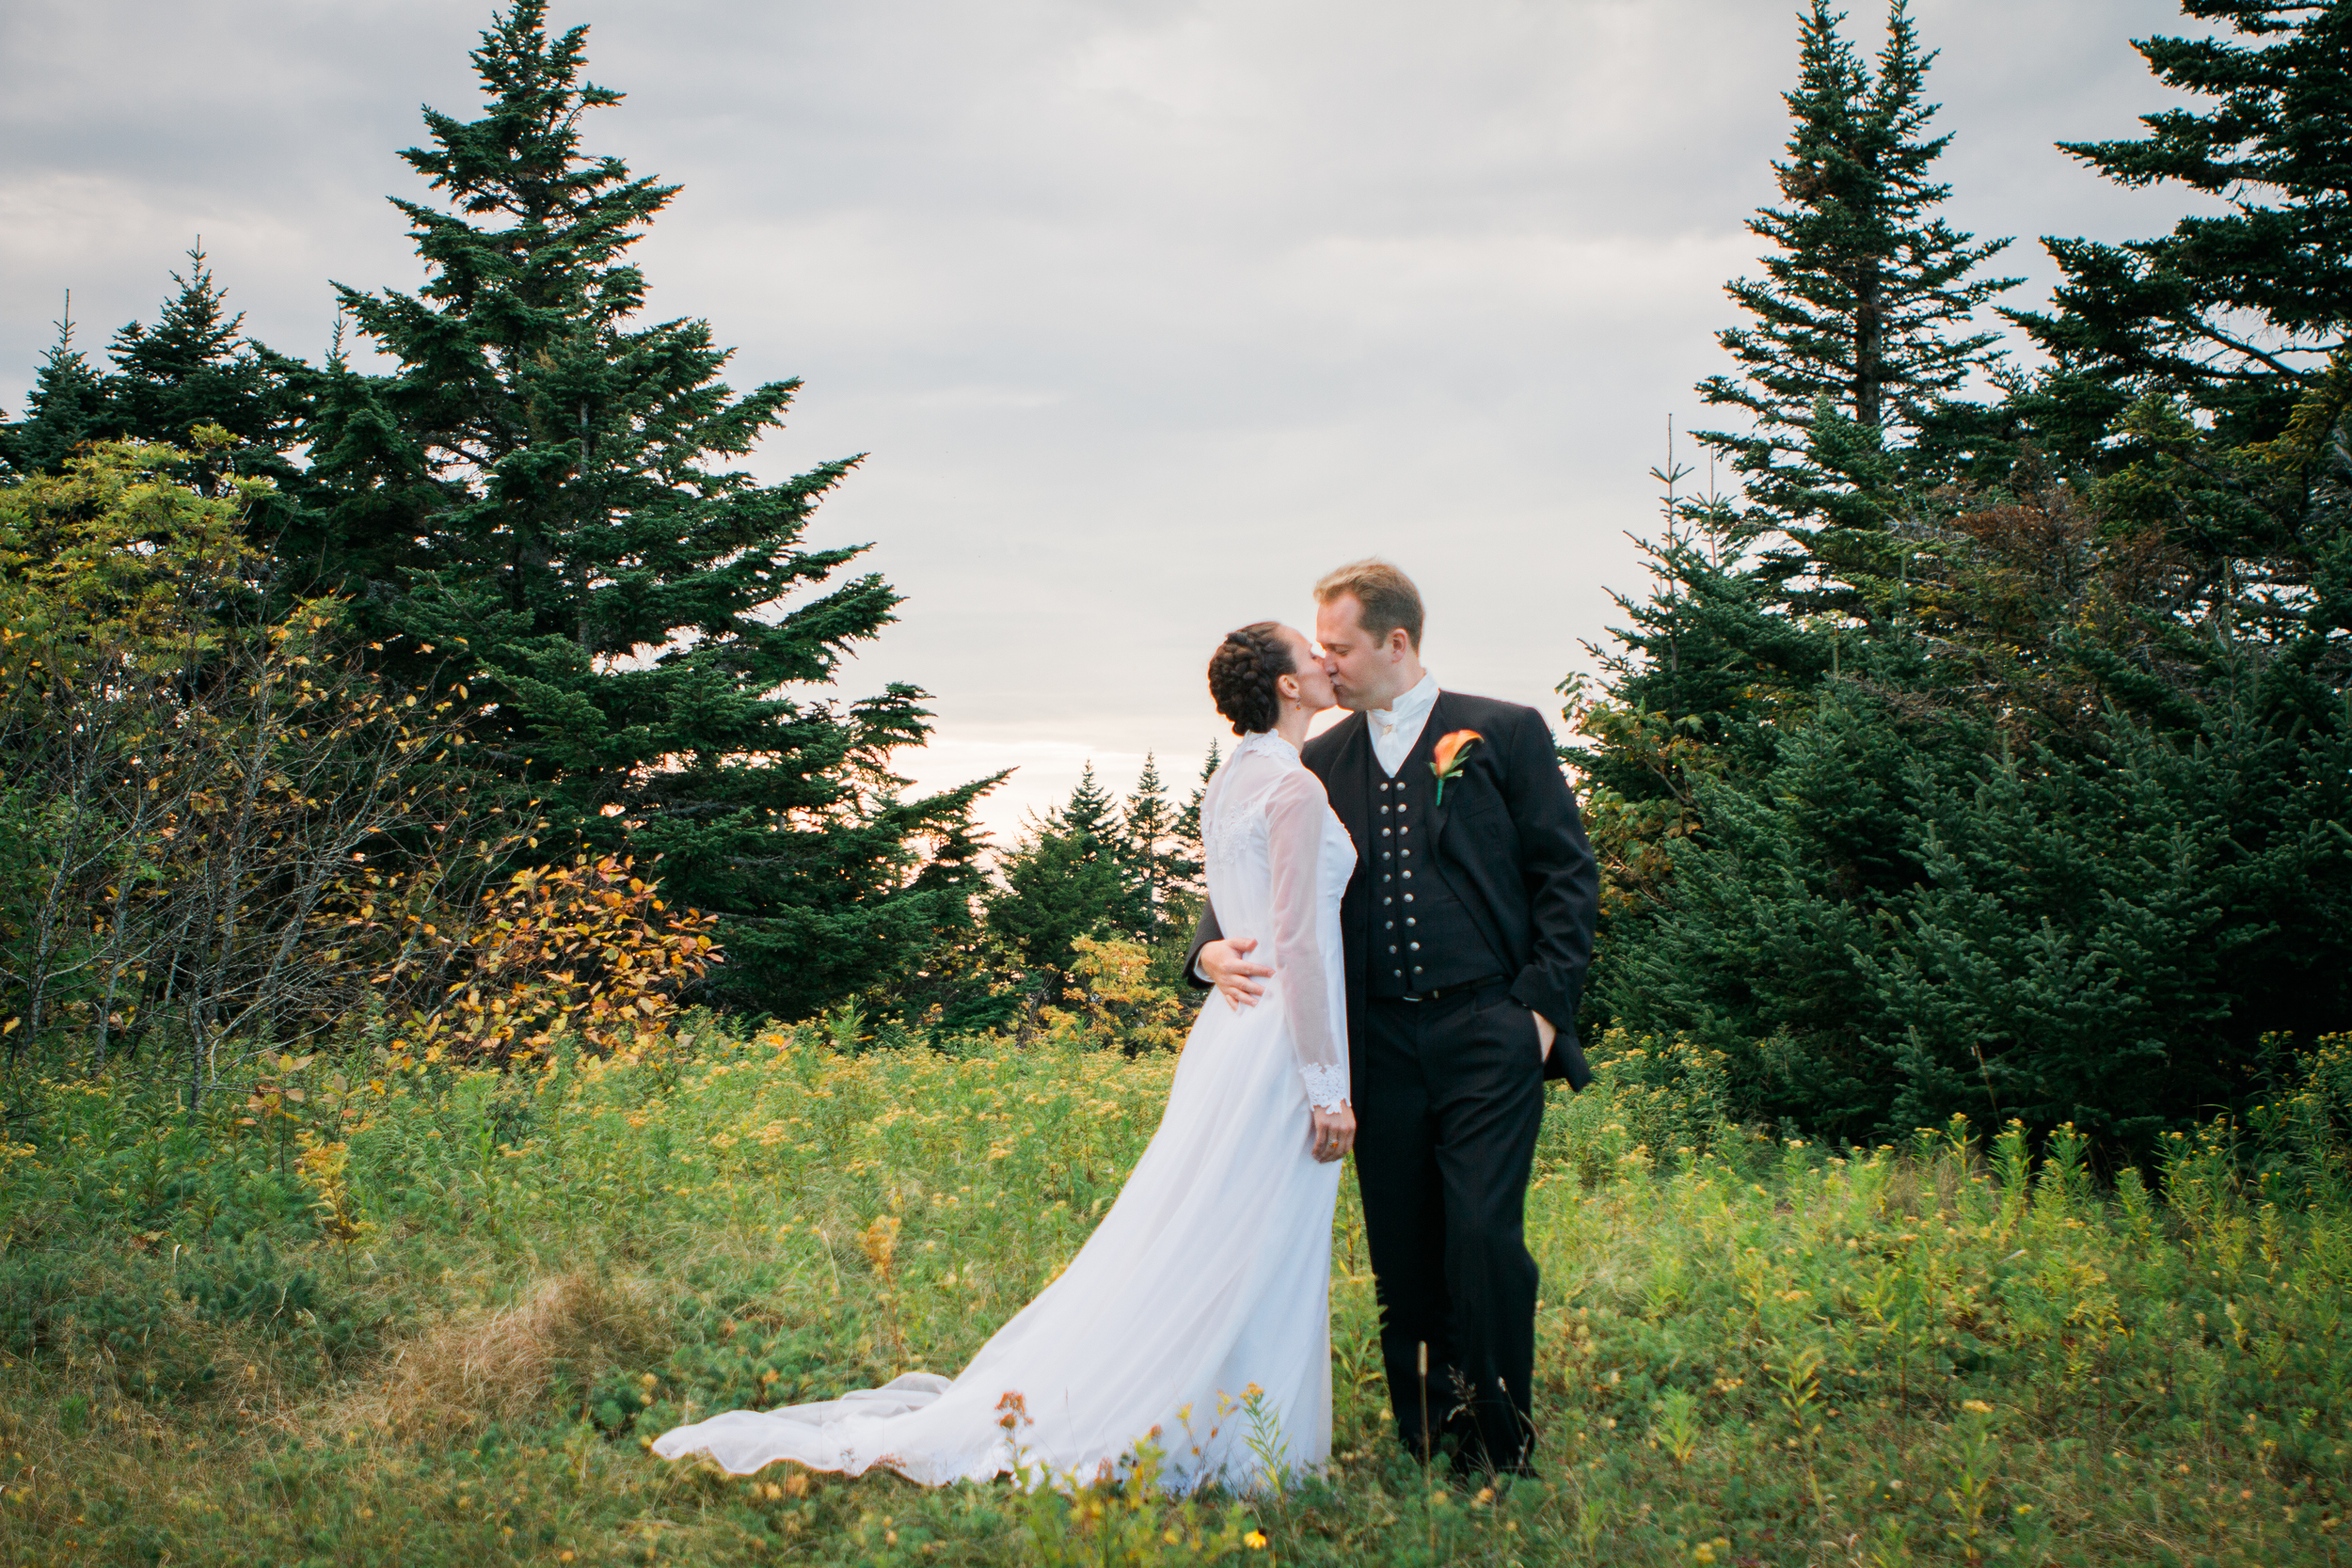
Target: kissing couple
pixel 1399 921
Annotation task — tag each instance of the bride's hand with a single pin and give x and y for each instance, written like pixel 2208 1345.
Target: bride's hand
pixel 1225 964
pixel 1333 1132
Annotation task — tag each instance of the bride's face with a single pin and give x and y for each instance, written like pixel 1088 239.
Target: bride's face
pixel 1310 683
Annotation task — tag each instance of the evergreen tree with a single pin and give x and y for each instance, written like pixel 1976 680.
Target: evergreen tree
pixel 1154 856
pixel 1179 886
pixel 2201 372
pixel 194 367
pixel 1856 343
pixel 2239 311
pixel 542 500
pixel 2038 822
pixel 2069 858
pixel 64 408
pixel 1861 315
pixel 1089 810
pixel 1192 863
pixel 1067 878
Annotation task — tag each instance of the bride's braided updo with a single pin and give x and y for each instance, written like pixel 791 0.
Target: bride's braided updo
pixel 1242 674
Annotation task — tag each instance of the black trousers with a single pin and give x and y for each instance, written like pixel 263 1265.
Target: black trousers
pixel 1449 1097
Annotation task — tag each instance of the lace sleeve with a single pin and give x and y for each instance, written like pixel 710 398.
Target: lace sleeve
pixel 1317 1016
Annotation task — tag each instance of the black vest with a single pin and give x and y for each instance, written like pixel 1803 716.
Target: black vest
pixel 1420 935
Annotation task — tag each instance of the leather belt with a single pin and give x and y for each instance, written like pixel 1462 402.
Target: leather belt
pixel 1436 994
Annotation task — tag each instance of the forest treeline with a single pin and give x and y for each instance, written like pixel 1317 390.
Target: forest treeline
pixel 1980 744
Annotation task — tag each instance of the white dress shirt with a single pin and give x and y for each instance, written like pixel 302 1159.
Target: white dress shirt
pixel 1396 729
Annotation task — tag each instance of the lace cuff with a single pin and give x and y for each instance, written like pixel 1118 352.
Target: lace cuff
pixel 1326 1086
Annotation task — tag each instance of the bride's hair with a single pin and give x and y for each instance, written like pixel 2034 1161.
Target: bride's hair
pixel 1242 674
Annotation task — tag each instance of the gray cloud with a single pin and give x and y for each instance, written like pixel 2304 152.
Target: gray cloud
pixel 1145 313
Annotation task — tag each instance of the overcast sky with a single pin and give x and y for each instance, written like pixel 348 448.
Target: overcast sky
pixel 1147 312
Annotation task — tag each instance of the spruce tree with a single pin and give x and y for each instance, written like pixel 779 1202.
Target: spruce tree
pixel 64 408
pixel 2045 828
pixel 194 367
pixel 1861 315
pixel 2206 372
pixel 1090 810
pixel 1153 855
pixel 543 502
pixel 2237 311
pixel 1189 821
pixel 1069 876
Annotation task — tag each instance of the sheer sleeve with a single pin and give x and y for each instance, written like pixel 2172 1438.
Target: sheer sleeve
pixel 1315 1008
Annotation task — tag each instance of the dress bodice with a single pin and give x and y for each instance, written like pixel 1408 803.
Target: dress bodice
pixel 1278 863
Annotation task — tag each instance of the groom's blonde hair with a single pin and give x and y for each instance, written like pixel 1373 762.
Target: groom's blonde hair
pixel 1389 599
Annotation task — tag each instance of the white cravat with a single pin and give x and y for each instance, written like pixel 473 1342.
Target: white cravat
pixel 1396 729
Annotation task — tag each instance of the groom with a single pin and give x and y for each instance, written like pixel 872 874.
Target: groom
pixel 1468 927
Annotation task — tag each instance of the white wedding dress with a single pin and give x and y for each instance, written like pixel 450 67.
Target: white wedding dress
pixel 1212 1271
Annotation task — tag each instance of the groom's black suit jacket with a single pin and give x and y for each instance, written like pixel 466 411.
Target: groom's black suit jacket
pixel 1506 838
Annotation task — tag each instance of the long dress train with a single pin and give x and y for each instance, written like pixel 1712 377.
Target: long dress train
pixel 1212 1271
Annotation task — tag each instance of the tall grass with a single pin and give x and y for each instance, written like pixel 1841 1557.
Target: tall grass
pixel 430 1315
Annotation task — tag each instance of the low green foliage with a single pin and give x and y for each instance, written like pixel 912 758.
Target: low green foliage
pixel 441 1328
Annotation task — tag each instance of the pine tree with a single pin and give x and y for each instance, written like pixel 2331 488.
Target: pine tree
pixel 1067 878
pixel 2204 371
pixel 1194 858
pixel 1856 345
pixel 1856 318
pixel 2237 311
pixel 542 502
pixel 66 407
pixel 1147 833
pixel 1181 885
pixel 1090 810
pixel 2052 836
pixel 196 367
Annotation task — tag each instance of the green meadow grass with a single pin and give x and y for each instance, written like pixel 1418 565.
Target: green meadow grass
pixel 431 1316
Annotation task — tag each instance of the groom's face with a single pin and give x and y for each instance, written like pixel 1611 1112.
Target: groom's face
pixel 1366 671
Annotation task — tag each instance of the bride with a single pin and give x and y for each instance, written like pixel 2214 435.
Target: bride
pixel 1207 1284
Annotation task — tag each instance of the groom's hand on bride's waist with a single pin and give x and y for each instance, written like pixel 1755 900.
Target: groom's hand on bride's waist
pixel 1225 964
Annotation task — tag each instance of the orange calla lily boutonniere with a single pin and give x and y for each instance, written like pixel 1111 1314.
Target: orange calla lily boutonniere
pixel 1451 756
